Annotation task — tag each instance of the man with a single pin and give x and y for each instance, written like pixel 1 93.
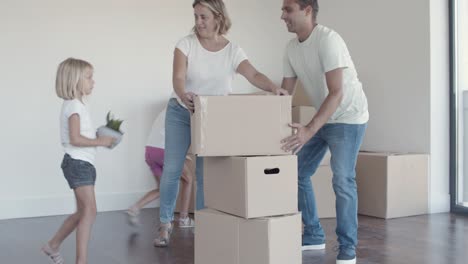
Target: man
pixel 319 58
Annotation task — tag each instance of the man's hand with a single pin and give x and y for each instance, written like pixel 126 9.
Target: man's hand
pixel 301 134
pixel 280 91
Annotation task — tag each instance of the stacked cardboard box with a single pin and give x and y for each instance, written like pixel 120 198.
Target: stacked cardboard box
pixel 250 183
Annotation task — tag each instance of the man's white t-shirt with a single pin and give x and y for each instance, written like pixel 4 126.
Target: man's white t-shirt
pixel 156 137
pixel 70 107
pixel 324 50
pixel 209 73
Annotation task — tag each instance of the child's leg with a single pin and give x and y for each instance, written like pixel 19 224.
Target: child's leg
pixel 87 211
pixel 67 227
pixel 51 249
pixel 134 210
pixel 154 157
pixel 147 198
pixel 186 189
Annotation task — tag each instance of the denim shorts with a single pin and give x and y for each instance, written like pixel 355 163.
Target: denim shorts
pixel 78 172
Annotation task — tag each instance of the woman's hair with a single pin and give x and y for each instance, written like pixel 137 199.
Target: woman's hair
pixel 219 11
pixel 68 83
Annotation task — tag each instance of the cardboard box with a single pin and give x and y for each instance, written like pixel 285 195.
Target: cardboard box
pixel 392 185
pixel 323 190
pixel 227 239
pixel 300 98
pixel 251 187
pixel 238 125
pixel 303 115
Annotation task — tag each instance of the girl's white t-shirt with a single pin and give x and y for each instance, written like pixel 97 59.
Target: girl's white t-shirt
pixel 70 107
pixel 209 73
pixel 156 137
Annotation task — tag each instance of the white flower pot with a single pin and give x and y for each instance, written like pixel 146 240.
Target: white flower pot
pixel 105 131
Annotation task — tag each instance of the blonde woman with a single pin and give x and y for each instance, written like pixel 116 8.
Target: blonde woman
pixel 205 63
pixel 78 137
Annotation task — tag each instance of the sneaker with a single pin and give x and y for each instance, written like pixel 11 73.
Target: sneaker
pixel 313 238
pixel 133 217
pixel 313 247
pixel 346 256
pixel 343 258
pixel 186 222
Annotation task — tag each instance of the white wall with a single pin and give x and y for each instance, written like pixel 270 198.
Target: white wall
pixel 400 49
pixel 389 43
pixel 130 44
pixel 396 46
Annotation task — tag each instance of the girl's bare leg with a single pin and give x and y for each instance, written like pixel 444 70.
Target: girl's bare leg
pixel 87 211
pixel 64 231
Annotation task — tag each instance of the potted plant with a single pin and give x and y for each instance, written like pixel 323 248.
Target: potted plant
pixel 111 129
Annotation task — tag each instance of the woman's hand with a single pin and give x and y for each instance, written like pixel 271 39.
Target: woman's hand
pixel 187 99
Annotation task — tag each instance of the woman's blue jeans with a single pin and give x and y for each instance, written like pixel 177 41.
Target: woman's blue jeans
pixel 177 144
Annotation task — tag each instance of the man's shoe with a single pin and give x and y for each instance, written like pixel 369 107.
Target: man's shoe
pixel 313 247
pixel 344 258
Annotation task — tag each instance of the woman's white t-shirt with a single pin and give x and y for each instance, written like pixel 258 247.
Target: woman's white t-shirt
pixel 70 107
pixel 209 73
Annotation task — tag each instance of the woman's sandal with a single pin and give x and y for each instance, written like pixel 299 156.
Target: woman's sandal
pixel 53 255
pixel 165 231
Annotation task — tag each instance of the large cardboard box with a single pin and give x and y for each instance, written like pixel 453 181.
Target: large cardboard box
pixel 303 114
pixel 251 187
pixel 300 97
pixel 238 125
pixel 392 185
pixel 227 239
pixel 323 190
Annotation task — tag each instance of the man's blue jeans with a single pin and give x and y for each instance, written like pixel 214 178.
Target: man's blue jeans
pixel 177 144
pixel 344 141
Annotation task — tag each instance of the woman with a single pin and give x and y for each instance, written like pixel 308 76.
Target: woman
pixel 205 63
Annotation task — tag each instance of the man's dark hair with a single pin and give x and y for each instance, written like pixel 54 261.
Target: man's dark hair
pixel 313 3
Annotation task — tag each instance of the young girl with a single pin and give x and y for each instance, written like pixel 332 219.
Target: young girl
pixel 154 156
pixel 74 81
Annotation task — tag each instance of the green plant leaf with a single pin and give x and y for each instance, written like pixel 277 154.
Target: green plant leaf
pixel 113 123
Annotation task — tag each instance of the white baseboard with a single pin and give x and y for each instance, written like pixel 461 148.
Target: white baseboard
pixel 65 204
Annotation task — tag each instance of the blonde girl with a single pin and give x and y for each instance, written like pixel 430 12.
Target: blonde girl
pixel 74 81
